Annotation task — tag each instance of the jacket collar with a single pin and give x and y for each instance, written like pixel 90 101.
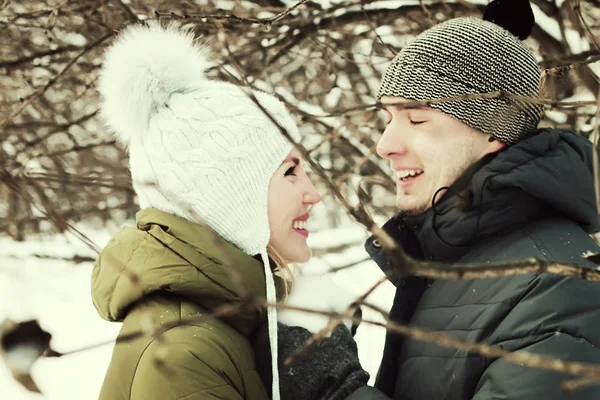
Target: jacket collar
pixel 549 174
pixel 169 254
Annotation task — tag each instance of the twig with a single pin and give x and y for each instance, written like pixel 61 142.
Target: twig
pixel 128 10
pixel 374 29
pixel 590 371
pixel 265 22
pixel 425 10
pixel 436 270
pixel 586 28
pixel 304 153
pixel 561 25
pixel 572 386
pixel 53 80
pixel 26 59
pixel 489 96
pixel 405 265
pixel 76 259
pixel 287 11
pixel 79 148
pixel 60 223
pixel 565 68
pixel 61 128
pixel 220 312
pixel 498 94
pixel 44 12
pixel 348 313
pixel 72 179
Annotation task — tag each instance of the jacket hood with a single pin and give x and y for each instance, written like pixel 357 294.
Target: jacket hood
pixel 169 254
pixel 549 174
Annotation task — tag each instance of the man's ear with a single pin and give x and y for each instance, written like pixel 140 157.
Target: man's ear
pixel 494 146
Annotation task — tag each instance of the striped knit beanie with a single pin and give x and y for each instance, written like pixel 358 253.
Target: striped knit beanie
pixel 465 56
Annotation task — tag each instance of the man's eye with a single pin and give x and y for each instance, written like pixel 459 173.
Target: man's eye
pixel 387 117
pixel 291 171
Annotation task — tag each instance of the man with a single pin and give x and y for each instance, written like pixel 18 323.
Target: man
pixel 478 183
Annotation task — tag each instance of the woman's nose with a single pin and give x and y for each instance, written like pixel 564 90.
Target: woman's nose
pixel 311 196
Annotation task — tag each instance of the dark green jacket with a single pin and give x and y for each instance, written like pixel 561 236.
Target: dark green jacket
pixel 533 200
pixel 167 270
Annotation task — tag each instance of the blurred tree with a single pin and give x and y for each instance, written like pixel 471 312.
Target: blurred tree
pixel 324 59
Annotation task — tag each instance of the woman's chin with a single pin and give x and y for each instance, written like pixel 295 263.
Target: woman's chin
pixel 300 256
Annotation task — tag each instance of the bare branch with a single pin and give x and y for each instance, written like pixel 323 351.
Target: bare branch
pixel 589 371
pixel 23 60
pixel 264 22
pixel 53 80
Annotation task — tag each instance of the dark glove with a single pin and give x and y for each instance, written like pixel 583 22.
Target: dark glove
pixel 328 370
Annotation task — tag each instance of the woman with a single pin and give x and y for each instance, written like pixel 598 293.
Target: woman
pixel 222 192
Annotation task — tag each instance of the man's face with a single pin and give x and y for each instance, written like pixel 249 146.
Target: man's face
pixel 427 150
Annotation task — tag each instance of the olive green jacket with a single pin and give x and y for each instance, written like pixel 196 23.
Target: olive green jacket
pixel 170 270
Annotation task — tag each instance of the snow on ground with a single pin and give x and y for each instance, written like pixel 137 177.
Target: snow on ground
pixel 57 292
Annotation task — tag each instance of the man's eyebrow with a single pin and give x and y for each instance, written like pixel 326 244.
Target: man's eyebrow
pixel 419 107
pixel 400 105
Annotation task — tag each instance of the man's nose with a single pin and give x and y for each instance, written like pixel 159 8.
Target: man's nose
pixel 391 142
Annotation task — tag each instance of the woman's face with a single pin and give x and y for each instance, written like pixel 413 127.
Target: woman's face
pixel 290 194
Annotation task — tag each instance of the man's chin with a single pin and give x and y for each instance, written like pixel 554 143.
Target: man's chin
pixel 408 207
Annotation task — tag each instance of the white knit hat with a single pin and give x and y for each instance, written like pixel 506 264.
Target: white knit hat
pixel 200 149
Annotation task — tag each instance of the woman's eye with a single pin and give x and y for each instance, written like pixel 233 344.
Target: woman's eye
pixel 291 171
pixel 417 122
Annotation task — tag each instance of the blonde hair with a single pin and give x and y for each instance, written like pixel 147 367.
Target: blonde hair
pixel 282 270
